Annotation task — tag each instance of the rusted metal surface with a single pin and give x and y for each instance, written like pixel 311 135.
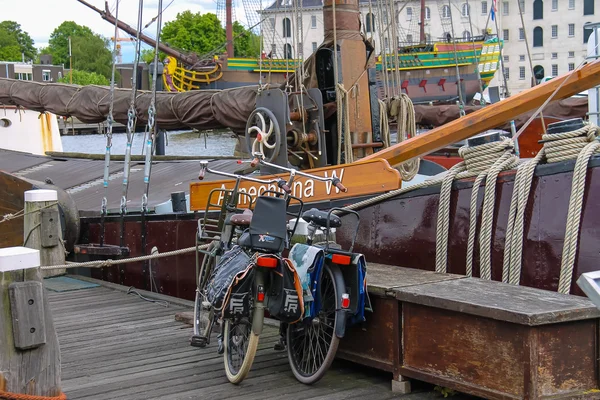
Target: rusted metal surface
pixel 402 231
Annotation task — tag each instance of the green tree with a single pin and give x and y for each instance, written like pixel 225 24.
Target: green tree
pixel 245 42
pixel 86 78
pixel 198 33
pixel 14 42
pixel 90 51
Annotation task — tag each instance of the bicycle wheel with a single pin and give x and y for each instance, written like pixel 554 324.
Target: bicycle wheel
pixel 240 348
pixel 312 344
pixel 203 312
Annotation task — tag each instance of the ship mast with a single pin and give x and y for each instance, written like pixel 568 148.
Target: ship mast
pixel 422 23
pixel 229 28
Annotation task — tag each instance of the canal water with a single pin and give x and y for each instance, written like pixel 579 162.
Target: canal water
pixel 179 143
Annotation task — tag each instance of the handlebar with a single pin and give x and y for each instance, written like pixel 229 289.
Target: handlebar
pixel 259 159
pixel 279 181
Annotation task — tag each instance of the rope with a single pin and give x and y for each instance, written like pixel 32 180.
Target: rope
pixel 18 396
pixel 403 111
pixel 22 213
pixel 580 144
pixel 110 263
pixel 343 117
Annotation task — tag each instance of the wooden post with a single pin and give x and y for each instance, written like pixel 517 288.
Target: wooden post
pixel 42 228
pixel 29 352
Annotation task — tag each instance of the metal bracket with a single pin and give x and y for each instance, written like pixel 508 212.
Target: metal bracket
pixel 49 228
pixel 589 282
pixel 27 310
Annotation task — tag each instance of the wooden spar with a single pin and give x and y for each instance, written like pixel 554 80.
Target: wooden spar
pixel 491 116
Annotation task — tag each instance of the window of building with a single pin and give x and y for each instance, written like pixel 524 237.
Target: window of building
pixel 427 13
pixel 287 51
pixel 409 13
pixel 465 9
pixel 427 38
pixel 538 37
pixel 586 33
pixel 59 75
pixel 299 22
pixel 571 30
pixel 387 44
pixel 507 73
pixel 571 4
pixel 539 73
pixel 554 56
pixel 554 31
pixel 554 69
pixel 588 7
pixel 505 8
pixel 466 35
pixel 505 58
pixel 385 17
pixel 522 57
pixel 273 51
pixel 521 34
pixel 370 23
pixel 272 22
pixel 314 46
pixel 300 49
pixel 571 66
pixel 484 8
pixel 287 28
pixel 46 75
pixel 409 39
pixel 571 54
pixel 521 72
pixel 505 34
pixel 446 12
pixel 313 21
pixel 554 5
pixel 538 9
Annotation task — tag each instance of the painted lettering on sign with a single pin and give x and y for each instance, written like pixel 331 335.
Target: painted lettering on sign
pixel 361 178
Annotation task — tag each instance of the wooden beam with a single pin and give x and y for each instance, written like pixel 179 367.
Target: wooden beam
pixel 490 116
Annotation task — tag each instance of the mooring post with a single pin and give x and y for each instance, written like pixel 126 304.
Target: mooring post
pixel 42 229
pixel 29 352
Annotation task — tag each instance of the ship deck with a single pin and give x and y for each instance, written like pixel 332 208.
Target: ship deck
pixel 118 346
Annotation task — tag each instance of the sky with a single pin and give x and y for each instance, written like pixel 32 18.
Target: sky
pixel 40 17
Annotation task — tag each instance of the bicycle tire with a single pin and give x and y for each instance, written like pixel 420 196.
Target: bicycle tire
pixel 203 317
pixel 235 370
pixel 302 336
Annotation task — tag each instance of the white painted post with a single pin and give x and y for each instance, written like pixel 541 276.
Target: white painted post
pixel 42 228
pixel 29 351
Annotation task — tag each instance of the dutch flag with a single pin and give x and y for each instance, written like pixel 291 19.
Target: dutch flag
pixel 493 10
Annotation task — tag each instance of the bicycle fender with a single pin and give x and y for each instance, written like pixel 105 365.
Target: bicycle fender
pixel 340 325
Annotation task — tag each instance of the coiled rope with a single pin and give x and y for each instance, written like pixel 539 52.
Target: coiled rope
pixel 483 161
pixel 402 111
pixel 19 396
pixel 580 144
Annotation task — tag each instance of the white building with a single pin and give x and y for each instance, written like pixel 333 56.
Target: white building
pixel 554 29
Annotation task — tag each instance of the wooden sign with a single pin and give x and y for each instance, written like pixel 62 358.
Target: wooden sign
pixel 360 178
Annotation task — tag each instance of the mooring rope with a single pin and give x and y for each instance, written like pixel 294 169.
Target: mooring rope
pixel 402 110
pixel 580 144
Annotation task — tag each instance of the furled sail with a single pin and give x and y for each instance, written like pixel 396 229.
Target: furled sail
pixel 200 109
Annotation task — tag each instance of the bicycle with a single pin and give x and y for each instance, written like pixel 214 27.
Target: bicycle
pixel 243 318
pixel 335 290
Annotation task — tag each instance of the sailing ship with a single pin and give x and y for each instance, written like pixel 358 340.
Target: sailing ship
pixel 426 70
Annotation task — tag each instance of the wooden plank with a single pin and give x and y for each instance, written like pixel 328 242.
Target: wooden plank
pixel 497 300
pixel 490 116
pixel 357 177
pixel 382 279
pixel 27 308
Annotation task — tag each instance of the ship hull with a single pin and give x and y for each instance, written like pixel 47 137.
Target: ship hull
pixel 400 231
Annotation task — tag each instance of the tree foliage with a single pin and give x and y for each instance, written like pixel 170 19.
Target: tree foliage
pixel 86 78
pixel 90 51
pixel 203 33
pixel 14 43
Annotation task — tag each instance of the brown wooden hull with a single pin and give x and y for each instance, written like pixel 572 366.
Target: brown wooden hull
pixel 400 231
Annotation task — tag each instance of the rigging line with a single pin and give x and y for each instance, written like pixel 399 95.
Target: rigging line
pixel 382 49
pixel 475 54
pixel 156 17
pixel 131 116
pixel 458 85
pixel 392 15
pixel 501 47
pixel 109 128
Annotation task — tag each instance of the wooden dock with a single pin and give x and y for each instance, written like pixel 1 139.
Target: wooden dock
pixel 118 346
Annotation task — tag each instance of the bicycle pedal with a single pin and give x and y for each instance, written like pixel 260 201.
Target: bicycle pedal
pixel 198 341
pixel 279 346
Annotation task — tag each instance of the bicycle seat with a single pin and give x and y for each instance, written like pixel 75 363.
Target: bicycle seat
pixel 242 219
pixel 319 218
